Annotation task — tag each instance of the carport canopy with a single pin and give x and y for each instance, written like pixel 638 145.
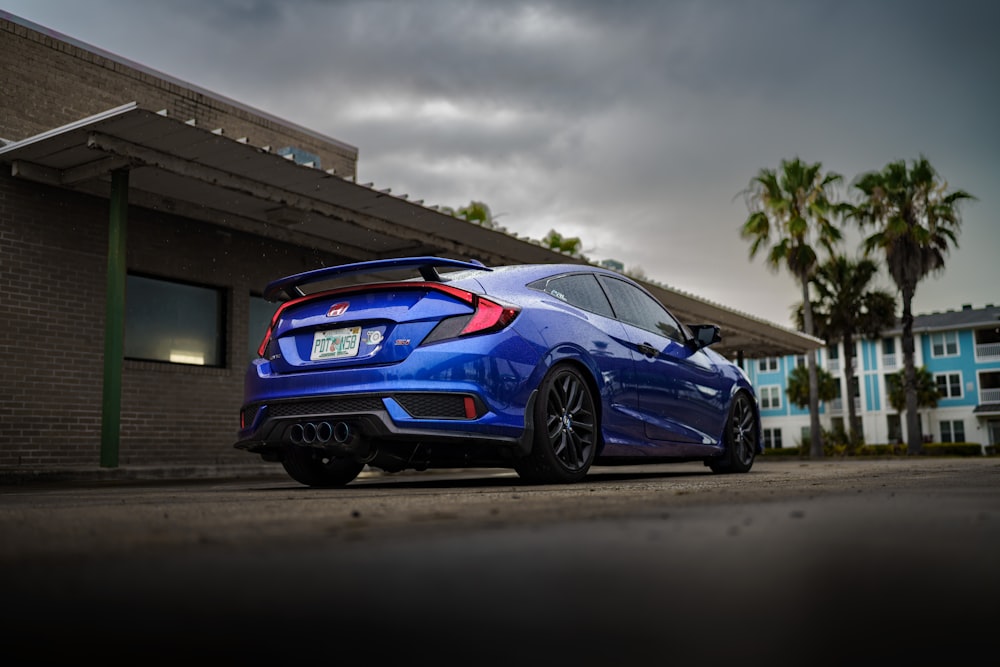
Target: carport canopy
pixel 200 173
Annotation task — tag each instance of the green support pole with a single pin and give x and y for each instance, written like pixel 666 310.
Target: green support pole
pixel 114 321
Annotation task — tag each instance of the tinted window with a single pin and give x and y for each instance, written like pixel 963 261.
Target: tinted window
pixel 173 322
pixel 634 306
pixel 580 289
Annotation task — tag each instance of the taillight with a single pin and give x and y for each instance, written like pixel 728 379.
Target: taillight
pixel 487 317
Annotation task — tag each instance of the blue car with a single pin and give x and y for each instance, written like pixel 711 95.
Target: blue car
pixel 429 362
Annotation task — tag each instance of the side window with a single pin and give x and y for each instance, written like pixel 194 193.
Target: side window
pixel 174 322
pixel 261 311
pixel 635 307
pixel 579 289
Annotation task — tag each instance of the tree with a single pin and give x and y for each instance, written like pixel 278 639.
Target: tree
pixel 916 221
pixel 477 211
pixel 556 241
pixel 791 210
pixel 845 307
pixel 927 391
pixel 798 386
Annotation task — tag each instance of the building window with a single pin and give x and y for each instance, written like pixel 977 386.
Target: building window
pixel 944 344
pixel 949 385
pixel 888 346
pixel 800 361
pixel 770 397
pixel 772 438
pixel 768 365
pixel 953 431
pixel 174 322
pixel 833 359
pixel 261 311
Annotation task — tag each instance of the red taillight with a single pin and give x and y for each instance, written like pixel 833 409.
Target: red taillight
pixel 489 316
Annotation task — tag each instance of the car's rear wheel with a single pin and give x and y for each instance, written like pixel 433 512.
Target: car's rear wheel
pixel 565 438
pixel 314 467
pixel 740 438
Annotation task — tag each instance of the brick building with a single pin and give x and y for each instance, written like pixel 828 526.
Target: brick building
pixel 115 178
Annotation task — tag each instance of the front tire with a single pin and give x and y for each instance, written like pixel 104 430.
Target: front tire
pixel 566 428
pixel 741 436
pixel 314 467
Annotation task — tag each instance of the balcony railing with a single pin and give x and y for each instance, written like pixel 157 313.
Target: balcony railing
pixel 837 404
pixel 889 362
pixel 988 351
pixel 989 395
pixel 833 365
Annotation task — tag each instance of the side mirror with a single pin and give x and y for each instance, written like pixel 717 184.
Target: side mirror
pixel 705 335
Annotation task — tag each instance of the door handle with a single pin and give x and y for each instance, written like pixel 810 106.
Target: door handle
pixel 648 350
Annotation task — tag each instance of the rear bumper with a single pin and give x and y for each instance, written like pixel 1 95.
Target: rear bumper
pixel 348 422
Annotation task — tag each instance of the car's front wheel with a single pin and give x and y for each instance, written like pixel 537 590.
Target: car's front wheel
pixel 314 467
pixel 566 428
pixel 741 437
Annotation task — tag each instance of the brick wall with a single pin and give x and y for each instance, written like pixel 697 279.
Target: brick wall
pixel 48 82
pixel 53 265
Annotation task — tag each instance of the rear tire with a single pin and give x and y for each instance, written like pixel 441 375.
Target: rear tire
pixel 314 467
pixel 566 428
pixel 742 432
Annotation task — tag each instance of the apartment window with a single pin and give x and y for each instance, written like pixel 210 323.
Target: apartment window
pixel 261 311
pixel 772 438
pixel 800 361
pixel 953 431
pixel 768 365
pixel 944 344
pixel 174 322
pixel 888 346
pixel 949 385
pixel 770 397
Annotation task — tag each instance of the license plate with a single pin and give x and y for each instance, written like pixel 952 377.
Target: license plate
pixel 335 343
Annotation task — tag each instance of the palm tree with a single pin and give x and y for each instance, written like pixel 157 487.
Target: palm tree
pixel 846 307
pixel 927 391
pixel 790 211
pixel 477 211
pixel 916 221
pixel 567 244
pixel 798 386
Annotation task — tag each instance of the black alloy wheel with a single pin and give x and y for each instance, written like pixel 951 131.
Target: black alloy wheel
pixel 742 432
pixel 566 428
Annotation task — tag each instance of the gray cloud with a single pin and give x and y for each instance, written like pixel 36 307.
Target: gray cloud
pixel 633 125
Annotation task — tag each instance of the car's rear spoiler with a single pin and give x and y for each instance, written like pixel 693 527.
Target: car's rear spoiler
pixel 427 266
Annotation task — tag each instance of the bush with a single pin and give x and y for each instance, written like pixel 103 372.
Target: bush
pixel 953 449
pixel 781 451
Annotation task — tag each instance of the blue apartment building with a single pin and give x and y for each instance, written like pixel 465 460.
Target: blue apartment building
pixel 960 348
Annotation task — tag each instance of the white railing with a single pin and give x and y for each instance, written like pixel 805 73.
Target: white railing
pixel 837 405
pixel 888 361
pixel 988 351
pixel 833 365
pixel 989 395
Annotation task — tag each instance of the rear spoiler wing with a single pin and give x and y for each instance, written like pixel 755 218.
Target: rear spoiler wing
pixel 291 286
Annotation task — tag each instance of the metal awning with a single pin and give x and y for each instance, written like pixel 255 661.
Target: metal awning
pixel 200 173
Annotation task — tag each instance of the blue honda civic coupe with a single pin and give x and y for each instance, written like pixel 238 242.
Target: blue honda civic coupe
pixel 430 362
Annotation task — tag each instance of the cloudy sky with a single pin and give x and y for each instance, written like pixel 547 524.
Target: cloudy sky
pixel 633 125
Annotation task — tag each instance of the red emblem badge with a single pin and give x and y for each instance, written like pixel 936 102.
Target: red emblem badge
pixel 338 309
